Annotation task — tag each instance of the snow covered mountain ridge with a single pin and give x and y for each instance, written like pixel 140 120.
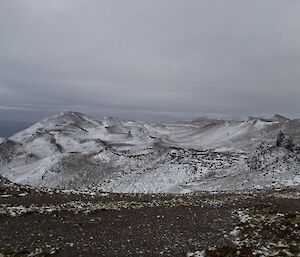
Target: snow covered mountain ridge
pixel 75 151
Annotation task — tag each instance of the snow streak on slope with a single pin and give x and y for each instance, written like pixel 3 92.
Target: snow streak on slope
pixel 75 151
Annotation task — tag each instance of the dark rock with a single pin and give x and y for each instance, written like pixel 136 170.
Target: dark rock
pixel 285 141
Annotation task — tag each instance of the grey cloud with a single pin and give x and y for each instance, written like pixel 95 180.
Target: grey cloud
pixel 149 59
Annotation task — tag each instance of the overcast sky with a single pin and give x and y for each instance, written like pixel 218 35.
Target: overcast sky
pixel 155 59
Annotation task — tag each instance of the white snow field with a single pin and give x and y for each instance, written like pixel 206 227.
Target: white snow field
pixel 75 151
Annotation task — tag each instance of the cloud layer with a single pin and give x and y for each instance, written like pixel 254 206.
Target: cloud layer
pixel 149 59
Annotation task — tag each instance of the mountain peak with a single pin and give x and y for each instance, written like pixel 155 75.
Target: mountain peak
pixel 279 117
pixel 72 113
pixel 72 117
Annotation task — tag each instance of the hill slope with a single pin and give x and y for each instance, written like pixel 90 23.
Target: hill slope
pixel 75 151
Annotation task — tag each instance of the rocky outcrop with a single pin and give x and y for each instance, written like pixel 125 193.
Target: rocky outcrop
pixel 8 149
pixel 286 142
pixel 284 155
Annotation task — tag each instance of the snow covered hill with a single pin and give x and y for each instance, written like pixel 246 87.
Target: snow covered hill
pixel 75 151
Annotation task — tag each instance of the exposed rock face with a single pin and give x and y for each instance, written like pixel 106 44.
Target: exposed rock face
pixel 286 142
pixel 284 156
pixel 8 149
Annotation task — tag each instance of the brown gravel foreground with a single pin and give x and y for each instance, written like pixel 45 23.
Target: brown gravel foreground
pixel 143 232
pixel 168 228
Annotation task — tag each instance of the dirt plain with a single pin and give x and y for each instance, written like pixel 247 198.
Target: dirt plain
pixel 44 222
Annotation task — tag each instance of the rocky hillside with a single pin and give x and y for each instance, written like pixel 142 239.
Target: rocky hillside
pixel 75 151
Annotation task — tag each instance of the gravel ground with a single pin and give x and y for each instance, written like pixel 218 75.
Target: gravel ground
pixel 40 222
